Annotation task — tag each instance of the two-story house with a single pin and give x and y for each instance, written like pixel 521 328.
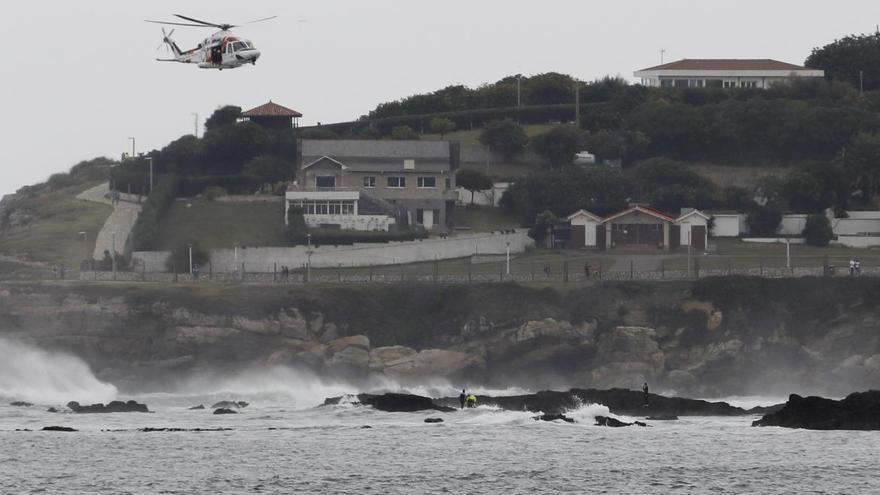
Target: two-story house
pixel 413 181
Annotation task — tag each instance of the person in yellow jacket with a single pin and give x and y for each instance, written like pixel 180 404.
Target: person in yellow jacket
pixel 472 400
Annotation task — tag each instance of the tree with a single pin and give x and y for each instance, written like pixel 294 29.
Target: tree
pixel 817 231
pixel 764 220
pixel 224 115
pixel 670 185
pixel 228 148
pixel 504 136
pixel 473 181
pixel 862 161
pixel 442 126
pixel 559 145
pixel 404 133
pixel 544 221
pixel 270 168
pixel 844 58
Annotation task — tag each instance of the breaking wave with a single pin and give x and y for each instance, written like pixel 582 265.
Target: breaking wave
pixel 31 374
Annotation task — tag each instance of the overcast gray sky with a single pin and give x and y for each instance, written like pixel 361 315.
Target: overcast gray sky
pixel 79 78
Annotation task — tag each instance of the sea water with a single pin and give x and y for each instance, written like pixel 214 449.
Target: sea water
pixel 285 442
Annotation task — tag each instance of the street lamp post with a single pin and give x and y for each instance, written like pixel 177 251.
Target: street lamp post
pixel 132 146
pixel 508 257
pixel 788 253
pixel 190 260
pixel 85 245
pixel 113 253
pixel 309 259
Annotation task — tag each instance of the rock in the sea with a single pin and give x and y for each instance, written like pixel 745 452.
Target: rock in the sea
pixel 615 423
pixel 858 411
pixel 224 410
pixel 554 417
pixel 230 404
pixel 20 403
pixel 58 428
pixel 433 420
pixel 197 408
pixel 663 417
pixel 401 403
pixel 111 407
pixel 52 410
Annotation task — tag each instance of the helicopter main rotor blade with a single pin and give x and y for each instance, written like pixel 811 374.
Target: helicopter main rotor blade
pixel 259 20
pixel 205 23
pixel 177 23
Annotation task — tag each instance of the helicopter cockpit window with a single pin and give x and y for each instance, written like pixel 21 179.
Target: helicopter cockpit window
pixel 239 45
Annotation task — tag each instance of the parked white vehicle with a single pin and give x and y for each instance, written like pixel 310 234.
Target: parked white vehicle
pixel 584 158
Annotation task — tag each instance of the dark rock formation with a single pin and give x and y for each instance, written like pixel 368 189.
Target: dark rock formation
pixel 858 411
pixel 433 420
pixel 615 423
pixel 618 401
pixel 58 428
pixel 197 408
pixel 224 410
pixel 52 410
pixel 230 404
pixel 554 417
pixel 401 403
pixel 663 417
pixel 111 407
pixel 20 403
pixel 151 430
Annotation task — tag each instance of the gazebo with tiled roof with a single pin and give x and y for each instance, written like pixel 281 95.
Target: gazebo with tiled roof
pixel 273 116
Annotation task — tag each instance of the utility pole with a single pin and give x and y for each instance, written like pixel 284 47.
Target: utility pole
pixel 132 147
pixel 196 124
pixel 662 52
pixel 190 260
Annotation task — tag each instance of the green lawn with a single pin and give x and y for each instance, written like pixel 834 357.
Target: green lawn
pixel 54 236
pixel 215 224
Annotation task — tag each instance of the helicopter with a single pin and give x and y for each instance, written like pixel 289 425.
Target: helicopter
pixel 219 51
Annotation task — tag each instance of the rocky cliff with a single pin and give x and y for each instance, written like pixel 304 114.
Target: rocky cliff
pixel 714 337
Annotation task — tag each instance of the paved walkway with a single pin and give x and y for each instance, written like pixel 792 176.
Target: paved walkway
pixel 119 222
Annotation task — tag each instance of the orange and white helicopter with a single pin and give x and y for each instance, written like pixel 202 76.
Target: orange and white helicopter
pixel 220 51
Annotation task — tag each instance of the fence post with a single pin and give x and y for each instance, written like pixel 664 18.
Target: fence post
pixel 662 269
pixel 210 271
pixel 242 271
pixel 533 272
pixel 339 271
pixel 402 278
pixel 565 271
pixel 274 271
pixel 144 272
pixel 825 265
pixel 631 274
pixel 697 267
pixel 501 272
pixel 470 268
pixel 174 269
pixel 761 261
pixel 371 274
pixel 436 271
pixel 729 267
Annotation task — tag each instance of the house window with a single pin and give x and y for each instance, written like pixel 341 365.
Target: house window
pixel 370 182
pixel 327 181
pixel 427 182
pixel 729 84
pixel 396 181
pixel 750 84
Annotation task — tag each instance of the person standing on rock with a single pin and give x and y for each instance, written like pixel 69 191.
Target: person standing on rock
pixel 462 398
pixel 645 390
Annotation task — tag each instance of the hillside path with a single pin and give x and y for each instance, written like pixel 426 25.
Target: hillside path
pixel 121 221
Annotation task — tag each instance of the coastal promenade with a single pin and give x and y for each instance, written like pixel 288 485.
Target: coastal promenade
pixel 120 221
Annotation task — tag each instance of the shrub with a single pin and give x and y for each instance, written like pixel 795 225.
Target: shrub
pixel 817 231
pixel 179 259
pixel 213 192
pixel 764 220
pixel 505 136
pixel 404 133
pixel 60 181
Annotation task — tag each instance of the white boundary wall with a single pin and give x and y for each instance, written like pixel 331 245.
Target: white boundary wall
pixel 264 259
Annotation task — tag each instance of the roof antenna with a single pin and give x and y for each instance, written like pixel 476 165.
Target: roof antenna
pixel 662 52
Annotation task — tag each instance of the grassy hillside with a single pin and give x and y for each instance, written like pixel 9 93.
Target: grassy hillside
pixel 53 236
pixel 223 225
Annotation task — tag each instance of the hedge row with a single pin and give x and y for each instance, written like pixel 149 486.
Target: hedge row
pixel 232 183
pixel 145 232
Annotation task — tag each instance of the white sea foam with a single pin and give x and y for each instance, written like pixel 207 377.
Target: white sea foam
pixel 31 374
